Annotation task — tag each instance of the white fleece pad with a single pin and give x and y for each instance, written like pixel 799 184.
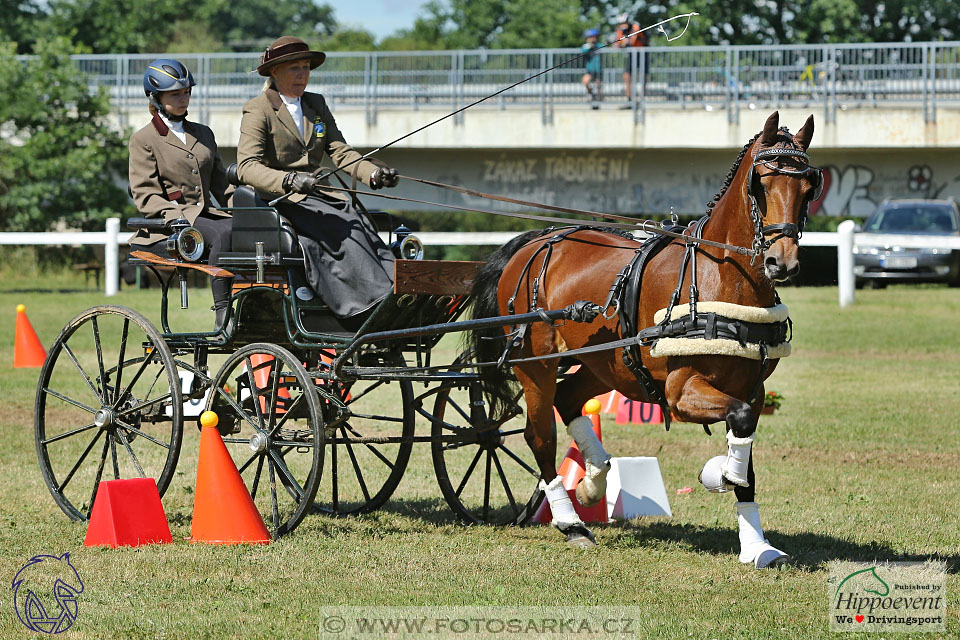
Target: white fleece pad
pixel 761 315
pixel 722 347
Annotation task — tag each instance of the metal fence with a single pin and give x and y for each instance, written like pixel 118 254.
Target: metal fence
pixel 827 77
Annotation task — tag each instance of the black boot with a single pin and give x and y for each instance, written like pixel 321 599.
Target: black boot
pixel 220 287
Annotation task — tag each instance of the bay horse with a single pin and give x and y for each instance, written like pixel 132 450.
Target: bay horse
pixel 762 206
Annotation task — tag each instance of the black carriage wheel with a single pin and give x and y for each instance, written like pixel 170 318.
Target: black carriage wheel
pixel 367 453
pixel 272 424
pixel 108 406
pixel 486 471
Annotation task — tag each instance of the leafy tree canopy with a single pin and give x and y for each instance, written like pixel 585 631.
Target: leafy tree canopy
pixel 60 159
pixel 185 26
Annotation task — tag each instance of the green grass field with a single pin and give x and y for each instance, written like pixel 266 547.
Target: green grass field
pixel 861 463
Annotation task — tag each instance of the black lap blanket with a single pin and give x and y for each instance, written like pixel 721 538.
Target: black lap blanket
pixel 347 264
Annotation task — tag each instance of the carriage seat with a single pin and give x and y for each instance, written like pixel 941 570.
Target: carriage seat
pixel 265 225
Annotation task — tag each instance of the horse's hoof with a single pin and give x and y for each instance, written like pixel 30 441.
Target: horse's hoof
pixel 588 499
pixel 763 555
pixel 771 559
pixel 578 536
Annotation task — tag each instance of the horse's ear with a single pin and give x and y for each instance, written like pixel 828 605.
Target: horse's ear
pixel 769 137
pixel 805 135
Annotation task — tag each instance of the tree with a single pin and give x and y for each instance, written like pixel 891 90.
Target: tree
pixel 133 26
pixel 60 159
pixel 114 26
pixel 348 40
pixel 18 23
pixel 254 24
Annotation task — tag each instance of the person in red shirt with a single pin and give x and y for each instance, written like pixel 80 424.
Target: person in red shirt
pixel 630 28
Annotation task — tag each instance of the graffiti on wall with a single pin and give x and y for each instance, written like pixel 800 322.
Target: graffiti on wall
pixel 652 182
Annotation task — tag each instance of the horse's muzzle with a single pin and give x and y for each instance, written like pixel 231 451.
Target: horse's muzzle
pixel 778 271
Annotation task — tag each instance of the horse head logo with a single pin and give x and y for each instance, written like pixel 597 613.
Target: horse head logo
pixel 867 580
pixel 45 593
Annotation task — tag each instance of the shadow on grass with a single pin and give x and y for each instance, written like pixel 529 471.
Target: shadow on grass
pixel 808 551
pixel 432 510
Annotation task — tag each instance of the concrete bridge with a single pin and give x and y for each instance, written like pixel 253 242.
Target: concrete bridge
pixel 887 120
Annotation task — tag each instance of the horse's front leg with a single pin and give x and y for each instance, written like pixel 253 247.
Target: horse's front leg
pixel 694 399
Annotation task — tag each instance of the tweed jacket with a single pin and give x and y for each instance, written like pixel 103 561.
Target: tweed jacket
pixel 170 179
pixel 271 146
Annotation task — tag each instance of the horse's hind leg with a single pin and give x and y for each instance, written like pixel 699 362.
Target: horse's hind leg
pixel 572 393
pixel 539 382
pixel 699 401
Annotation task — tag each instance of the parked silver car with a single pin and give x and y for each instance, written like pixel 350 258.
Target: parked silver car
pixel 879 263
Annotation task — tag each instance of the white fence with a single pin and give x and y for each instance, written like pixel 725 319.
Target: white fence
pixel 844 239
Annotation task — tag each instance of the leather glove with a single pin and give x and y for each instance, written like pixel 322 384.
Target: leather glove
pixel 384 177
pixel 299 182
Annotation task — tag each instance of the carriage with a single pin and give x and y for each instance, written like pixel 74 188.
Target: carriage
pixel 318 414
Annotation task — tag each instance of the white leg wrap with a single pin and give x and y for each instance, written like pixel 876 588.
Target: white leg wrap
pixel 560 504
pixel 754 548
pixel 738 459
pixel 593 487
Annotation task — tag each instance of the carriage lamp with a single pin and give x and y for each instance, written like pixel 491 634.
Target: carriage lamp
pixel 185 242
pixel 406 246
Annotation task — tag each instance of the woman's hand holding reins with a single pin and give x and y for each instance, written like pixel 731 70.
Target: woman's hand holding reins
pixel 384 177
pixel 300 182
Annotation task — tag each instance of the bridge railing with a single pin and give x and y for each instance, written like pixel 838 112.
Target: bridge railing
pixel 828 77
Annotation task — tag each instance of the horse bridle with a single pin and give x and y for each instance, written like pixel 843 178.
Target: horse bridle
pixel 769 159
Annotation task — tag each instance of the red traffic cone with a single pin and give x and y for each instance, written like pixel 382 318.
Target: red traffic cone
pixel 223 511
pixel 127 513
pixel 572 470
pixel 27 349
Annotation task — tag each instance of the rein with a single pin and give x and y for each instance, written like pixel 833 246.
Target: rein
pixel 648 226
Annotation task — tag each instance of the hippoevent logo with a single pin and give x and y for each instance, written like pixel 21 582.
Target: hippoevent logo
pixel 45 593
pixel 891 596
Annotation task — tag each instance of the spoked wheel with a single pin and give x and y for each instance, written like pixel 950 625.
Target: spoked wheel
pixel 108 406
pixel 368 452
pixel 272 424
pixel 485 469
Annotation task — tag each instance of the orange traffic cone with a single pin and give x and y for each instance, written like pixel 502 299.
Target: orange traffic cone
pixel 610 401
pixel 27 350
pixel 223 511
pixel 572 470
pixel 261 375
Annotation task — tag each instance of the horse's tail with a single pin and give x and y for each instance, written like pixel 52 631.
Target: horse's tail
pixel 488 344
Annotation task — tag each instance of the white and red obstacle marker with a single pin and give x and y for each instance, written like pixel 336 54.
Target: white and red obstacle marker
pixel 635 485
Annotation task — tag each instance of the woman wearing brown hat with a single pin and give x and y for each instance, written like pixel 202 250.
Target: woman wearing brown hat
pixel 285 134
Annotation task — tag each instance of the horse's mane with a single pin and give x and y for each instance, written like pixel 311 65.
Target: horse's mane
pixel 734 168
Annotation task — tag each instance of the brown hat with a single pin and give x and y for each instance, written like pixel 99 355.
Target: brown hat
pixel 287 49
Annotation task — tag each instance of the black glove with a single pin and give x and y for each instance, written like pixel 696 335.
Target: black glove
pixel 299 182
pixel 384 177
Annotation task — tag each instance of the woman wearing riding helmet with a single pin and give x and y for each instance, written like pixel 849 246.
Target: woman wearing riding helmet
pixel 175 168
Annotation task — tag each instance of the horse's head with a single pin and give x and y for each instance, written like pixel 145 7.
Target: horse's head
pixel 780 184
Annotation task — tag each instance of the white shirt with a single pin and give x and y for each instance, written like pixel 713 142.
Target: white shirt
pixel 176 127
pixel 296 111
